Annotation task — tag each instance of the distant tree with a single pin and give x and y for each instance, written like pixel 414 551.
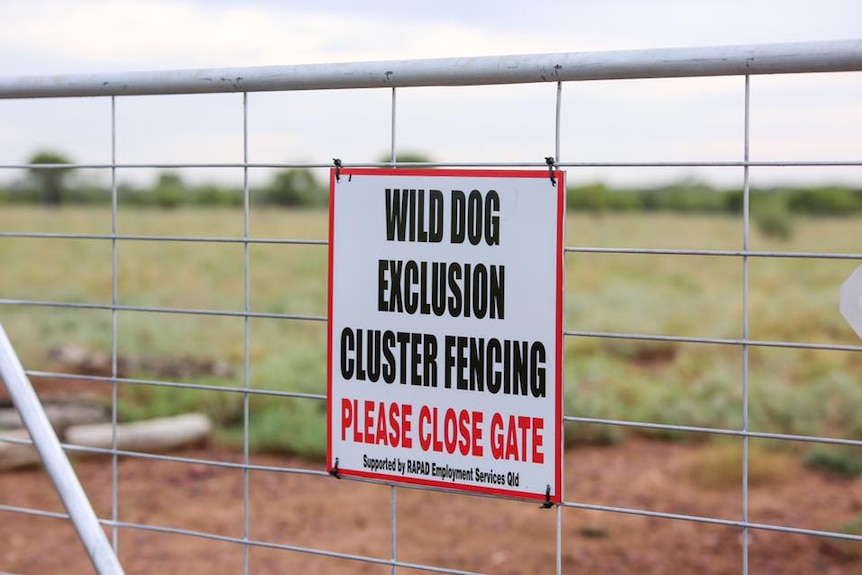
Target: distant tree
pixel 169 190
pixel 49 181
pixel 409 156
pixel 295 187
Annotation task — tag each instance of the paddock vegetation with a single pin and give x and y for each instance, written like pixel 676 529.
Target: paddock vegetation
pixel 792 299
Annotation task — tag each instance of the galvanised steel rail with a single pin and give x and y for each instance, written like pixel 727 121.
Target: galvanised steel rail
pixel 792 58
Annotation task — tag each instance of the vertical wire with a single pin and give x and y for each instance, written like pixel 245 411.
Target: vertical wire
pixel 245 367
pixel 559 518
pixel 393 156
pixel 115 535
pixel 746 207
pixel 393 519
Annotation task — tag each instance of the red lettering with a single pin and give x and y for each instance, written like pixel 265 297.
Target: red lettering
pixel 519 438
pixel 368 427
pixel 496 436
pixel 538 440
pixel 347 410
pixel 464 432
pixel 436 444
pixel 476 434
pixel 406 426
pixel 424 437
pixel 455 431
pixel 378 423
pixel 394 426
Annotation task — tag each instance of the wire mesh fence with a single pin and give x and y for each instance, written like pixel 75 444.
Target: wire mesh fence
pixel 686 313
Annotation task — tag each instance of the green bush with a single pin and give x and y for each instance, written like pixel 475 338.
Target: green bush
pixel 773 219
pixel 838 459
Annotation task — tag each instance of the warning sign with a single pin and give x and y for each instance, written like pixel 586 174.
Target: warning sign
pixel 445 329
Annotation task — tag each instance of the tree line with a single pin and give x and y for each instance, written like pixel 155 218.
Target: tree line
pixel 49 182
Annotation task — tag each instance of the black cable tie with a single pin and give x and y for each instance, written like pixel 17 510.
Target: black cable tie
pixel 549 160
pixel 546 505
pixel 334 471
pixel 337 162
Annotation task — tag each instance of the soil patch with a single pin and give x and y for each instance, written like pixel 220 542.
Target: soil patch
pixel 440 529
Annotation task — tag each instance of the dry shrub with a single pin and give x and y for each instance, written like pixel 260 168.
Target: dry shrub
pixel 719 466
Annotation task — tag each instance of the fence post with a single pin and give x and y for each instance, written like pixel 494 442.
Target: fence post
pixel 54 458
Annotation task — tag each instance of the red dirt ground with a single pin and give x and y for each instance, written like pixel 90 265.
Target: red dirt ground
pixel 438 529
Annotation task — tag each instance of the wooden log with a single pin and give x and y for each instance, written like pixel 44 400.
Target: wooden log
pixel 62 415
pixel 154 435
pixel 15 455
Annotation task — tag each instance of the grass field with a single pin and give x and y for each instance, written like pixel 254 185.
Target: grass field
pixel 790 299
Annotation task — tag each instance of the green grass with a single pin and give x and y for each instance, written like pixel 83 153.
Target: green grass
pixel 791 390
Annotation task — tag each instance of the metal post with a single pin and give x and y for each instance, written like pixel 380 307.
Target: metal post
pixel 54 458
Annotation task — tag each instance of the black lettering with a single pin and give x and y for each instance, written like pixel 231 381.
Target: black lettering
pixel 382 285
pixel 348 342
pixel 422 235
pixel 477 364
pixel 411 278
pixel 438 288
pixel 449 342
pixel 412 209
pixel 455 290
pixel 360 369
pixel 493 377
pixel 424 305
pixel 403 341
pixel 388 342
pixel 396 215
pixel 461 363
pixel 435 216
pixel 492 220
pixel 373 357
pixel 415 359
pixel 519 368
pixel 395 300
pixel 474 217
pixel 429 357
pixel 537 376
pixel 497 292
pixel 456 234
pixel 480 290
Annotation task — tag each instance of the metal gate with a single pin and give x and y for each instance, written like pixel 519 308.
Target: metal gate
pixel 560 72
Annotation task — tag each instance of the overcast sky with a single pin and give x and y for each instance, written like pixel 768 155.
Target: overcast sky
pixel 810 117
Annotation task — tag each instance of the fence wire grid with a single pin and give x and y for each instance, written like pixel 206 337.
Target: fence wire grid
pixel 559 72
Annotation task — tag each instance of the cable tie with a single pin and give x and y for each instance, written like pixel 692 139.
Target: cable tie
pixel 547 504
pixel 337 162
pixel 334 471
pixel 549 160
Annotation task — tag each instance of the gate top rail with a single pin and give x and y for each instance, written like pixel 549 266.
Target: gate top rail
pixel 801 57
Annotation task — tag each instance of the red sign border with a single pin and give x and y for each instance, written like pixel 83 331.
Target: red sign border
pixel 559 176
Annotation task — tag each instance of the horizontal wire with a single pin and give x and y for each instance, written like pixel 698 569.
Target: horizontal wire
pixel 713 521
pixel 181 385
pixel 469 164
pixel 714 430
pixel 178 239
pixel 165 458
pixel 718 253
pixel 565 504
pixel 566 418
pixel 166 310
pixel 321 318
pixel 713 340
pixel 322 242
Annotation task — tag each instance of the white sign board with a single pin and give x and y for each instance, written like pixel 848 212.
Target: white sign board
pixel 851 300
pixel 445 329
